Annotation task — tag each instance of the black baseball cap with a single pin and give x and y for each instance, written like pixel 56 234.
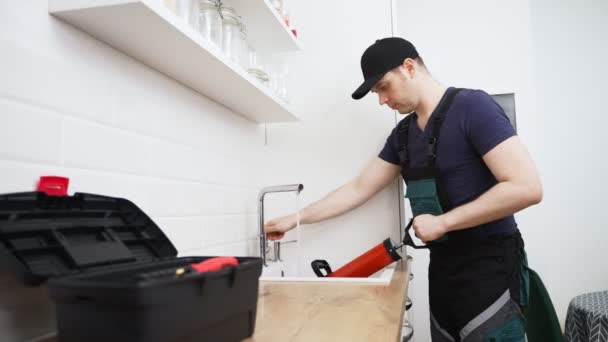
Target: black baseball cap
pixel 381 57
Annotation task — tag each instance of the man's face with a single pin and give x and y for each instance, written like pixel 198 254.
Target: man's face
pixel 396 90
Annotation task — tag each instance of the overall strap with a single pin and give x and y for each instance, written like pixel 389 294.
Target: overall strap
pixel 438 120
pixel 403 128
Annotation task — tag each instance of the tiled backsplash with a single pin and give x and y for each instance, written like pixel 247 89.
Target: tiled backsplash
pixel 120 129
pixel 72 106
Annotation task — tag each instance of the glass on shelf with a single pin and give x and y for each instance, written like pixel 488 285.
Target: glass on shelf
pixel 256 67
pixel 231 34
pixel 282 72
pixel 243 46
pixel 277 5
pixel 210 21
pixel 272 68
pixel 255 60
pixel 170 5
pixel 292 26
pixel 260 75
pixel 285 13
pixel 188 11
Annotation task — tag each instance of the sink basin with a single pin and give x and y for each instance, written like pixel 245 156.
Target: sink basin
pixel 288 272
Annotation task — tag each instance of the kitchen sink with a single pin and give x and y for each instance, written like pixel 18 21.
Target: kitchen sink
pixel 290 272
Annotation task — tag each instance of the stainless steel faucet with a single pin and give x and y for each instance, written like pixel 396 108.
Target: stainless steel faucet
pixel 263 242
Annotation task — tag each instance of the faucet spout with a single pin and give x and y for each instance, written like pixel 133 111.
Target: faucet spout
pixel 266 190
pixel 279 188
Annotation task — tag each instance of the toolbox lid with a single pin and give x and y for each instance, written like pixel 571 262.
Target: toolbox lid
pixel 45 236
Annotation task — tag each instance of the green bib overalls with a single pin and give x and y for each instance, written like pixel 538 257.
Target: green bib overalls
pixel 477 286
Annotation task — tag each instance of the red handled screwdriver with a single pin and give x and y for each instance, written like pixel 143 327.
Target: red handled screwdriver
pixel 209 265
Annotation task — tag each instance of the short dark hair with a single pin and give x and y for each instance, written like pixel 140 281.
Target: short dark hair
pixel 420 61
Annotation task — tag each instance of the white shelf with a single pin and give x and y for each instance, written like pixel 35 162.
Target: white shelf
pixel 266 30
pixel 150 33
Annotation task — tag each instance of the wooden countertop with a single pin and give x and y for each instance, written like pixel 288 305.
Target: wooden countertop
pixel 308 311
pixel 331 311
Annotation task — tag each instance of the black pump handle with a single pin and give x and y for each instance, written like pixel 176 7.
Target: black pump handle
pixel 407 239
pixel 318 265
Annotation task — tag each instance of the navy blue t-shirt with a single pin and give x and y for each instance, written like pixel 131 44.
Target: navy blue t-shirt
pixel 473 125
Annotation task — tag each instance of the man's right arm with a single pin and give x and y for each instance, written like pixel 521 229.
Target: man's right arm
pixel 374 177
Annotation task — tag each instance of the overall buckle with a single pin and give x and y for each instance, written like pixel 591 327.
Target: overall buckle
pixel 432 147
pixel 403 155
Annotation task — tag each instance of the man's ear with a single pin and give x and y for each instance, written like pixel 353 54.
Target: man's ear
pixel 407 68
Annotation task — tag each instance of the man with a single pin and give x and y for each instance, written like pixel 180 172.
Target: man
pixel 467 173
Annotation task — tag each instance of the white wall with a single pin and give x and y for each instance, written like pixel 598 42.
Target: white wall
pixel 73 106
pixel 568 234
pixel 551 58
pixel 70 105
pixel 338 135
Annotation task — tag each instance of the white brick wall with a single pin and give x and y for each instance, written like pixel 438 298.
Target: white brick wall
pixel 72 106
pixel 29 133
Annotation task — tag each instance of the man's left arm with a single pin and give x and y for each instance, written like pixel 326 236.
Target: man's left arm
pixel 518 187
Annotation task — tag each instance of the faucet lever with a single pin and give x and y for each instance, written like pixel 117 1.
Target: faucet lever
pixel 277 248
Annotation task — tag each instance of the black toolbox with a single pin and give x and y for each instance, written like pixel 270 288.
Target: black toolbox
pixel 110 271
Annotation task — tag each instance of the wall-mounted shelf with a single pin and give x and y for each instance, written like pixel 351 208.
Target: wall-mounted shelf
pixel 147 31
pixel 266 30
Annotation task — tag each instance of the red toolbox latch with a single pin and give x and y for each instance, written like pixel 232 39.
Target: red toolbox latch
pixel 53 185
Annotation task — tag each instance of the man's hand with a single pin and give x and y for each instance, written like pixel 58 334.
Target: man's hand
pixel 276 228
pixel 429 227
